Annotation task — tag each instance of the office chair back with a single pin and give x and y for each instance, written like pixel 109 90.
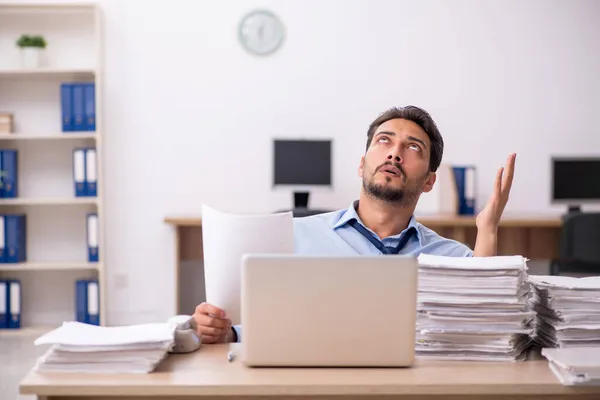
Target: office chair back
pixel 581 237
pixel 579 245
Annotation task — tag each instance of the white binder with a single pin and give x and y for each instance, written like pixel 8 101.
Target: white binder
pixel 15 304
pixel 93 306
pixel 3 305
pixel 79 171
pixel 2 239
pixel 91 173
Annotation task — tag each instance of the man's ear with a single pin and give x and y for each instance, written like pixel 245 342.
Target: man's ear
pixel 429 182
pixel 361 166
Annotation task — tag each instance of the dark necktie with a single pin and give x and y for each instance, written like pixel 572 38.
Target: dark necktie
pixel 384 249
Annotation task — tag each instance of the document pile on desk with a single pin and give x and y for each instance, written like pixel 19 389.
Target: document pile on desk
pixel 78 347
pixel 473 308
pixel 568 311
pixel 577 366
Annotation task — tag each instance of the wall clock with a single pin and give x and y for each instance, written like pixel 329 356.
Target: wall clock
pixel 261 32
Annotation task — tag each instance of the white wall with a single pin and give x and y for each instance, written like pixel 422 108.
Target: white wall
pixel 190 115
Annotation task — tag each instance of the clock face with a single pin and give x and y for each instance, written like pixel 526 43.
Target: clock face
pixel 261 32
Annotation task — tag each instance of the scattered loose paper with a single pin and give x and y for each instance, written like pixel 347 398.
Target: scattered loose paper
pixel 226 238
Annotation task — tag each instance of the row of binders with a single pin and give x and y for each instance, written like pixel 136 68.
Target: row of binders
pixel 85 172
pixel 455 192
pixel 87 303
pixel 78 106
pixel 465 179
pixel 10 304
pixel 13 238
pixel 9 173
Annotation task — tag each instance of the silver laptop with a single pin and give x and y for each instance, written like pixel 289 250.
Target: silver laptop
pixel 328 311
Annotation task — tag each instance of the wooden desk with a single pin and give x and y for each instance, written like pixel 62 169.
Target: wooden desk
pixel 532 236
pixel 207 374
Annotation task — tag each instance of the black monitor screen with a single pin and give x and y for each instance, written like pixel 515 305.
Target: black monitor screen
pixel 577 179
pixel 302 162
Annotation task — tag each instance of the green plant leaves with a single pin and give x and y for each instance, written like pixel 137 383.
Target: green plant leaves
pixel 32 41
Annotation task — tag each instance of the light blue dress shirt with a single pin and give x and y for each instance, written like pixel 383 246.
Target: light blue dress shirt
pixel 331 234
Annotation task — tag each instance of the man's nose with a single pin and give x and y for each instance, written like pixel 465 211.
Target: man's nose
pixel 394 156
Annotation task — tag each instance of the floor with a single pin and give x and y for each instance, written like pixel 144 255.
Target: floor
pixel 18 355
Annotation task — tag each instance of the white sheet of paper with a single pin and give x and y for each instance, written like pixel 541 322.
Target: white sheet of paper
pixel 565 282
pixel 430 261
pixel 226 238
pixel 79 334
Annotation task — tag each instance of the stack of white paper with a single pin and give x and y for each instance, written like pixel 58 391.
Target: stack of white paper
pixel 79 347
pixel 575 366
pixel 568 311
pixel 473 308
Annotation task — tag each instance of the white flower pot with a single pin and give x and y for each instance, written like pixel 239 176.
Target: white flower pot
pixel 31 57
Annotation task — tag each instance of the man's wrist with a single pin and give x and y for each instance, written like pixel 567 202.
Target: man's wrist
pixel 488 230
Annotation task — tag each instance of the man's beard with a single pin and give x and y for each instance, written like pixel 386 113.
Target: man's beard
pixel 406 195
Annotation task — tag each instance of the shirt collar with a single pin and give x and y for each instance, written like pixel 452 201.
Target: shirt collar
pixel 351 214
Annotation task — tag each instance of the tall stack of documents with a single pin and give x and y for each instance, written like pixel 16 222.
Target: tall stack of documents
pixel 473 308
pixel 578 366
pixel 568 311
pixel 78 347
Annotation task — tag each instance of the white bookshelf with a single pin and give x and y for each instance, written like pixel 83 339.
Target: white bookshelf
pixel 56 219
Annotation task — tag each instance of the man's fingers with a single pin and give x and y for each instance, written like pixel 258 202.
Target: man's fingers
pixel 206 308
pixel 209 339
pixel 498 183
pixel 210 331
pixel 510 172
pixel 207 320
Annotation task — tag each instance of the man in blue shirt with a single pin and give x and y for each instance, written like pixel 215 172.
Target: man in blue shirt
pixel 404 150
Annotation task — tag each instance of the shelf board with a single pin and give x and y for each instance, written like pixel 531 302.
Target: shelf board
pixel 45 6
pixel 50 266
pixel 24 201
pixel 46 136
pixel 45 72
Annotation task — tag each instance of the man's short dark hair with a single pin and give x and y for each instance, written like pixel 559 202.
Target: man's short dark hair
pixel 419 117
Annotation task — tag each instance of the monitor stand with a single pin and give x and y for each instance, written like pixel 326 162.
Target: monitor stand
pixel 301 208
pixel 301 200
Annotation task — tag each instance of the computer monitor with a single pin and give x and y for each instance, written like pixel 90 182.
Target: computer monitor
pixel 302 165
pixel 575 181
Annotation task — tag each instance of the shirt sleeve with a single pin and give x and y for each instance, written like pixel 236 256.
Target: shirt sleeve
pixel 238 332
pixel 460 250
pixel 449 248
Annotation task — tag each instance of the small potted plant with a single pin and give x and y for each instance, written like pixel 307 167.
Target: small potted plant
pixel 31 47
